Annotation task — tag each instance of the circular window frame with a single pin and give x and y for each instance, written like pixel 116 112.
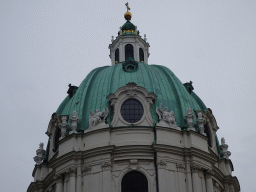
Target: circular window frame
pixel 126 100
pixel 120 107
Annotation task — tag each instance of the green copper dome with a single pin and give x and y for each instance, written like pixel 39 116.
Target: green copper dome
pixel 99 83
pixel 128 26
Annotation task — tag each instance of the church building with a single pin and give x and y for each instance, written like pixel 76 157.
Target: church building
pixel 132 127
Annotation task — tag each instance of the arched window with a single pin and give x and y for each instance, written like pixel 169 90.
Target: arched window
pixel 56 139
pixel 117 56
pixel 208 134
pixel 134 181
pixel 141 55
pixel 129 51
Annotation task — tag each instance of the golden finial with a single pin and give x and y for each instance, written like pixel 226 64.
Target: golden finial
pixel 127 15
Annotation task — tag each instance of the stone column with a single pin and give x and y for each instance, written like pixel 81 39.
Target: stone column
pixel 72 179
pixel 106 168
pixel 59 183
pixel 162 175
pixel 208 178
pixel 79 180
pixel 86 174
pixel 226 187
pixel 195 181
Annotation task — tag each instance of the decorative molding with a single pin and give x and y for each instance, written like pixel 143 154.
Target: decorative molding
pixel 161 164
pixel 180 166
pixel 194 168
pixel 131 89
pixel 106 166
pixel 58 178
pixel 86 170
pixel 134 161
pixel 122 94
pixel 72 172
pixel 209 174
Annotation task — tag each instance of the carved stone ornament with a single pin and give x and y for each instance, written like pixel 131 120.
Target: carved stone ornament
pixel 209 174
pixel 39 154
pixel 166 118
pixel 180 166
pixel 74 120
pixel 131 89
pixel 97 117
pixel 134 161
pixel 201 121
pixel 161 164
pixel 86 169
pixel 224 148
pixel 189 116
pixel 72 172
pixel 63 124
pixel 58 178
pixel 106 166
pixel 194 168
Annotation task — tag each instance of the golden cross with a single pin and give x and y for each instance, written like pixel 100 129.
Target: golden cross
pixel 128 8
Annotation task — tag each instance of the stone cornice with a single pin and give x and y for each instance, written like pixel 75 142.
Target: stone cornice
pixel 186 152
pixel 75 155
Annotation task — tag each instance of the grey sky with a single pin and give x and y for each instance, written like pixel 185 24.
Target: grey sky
pixel 44 45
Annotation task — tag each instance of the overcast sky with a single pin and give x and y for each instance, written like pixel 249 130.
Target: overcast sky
pixel 46 44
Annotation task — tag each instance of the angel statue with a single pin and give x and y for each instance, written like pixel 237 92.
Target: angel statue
pixel 165 115
pixel 97 117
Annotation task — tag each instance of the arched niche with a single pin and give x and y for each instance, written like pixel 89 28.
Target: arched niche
pixel 117 55
pixel 134 181
pixel 56 139
pixel 208 134
pixel 129 51
pixel 141 53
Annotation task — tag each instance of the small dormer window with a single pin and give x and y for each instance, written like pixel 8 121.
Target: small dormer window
pixel 117 56
pixel 132 110
pixel 129 51
pixel 141 55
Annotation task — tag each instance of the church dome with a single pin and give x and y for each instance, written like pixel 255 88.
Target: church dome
pixel 93 92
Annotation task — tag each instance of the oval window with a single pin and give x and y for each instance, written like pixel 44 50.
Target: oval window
pixel 132 110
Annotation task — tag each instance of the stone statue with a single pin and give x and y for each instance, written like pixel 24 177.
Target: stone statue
pixel 39 154
pixel 120 31
pixel 97 117
pixel 63 125
pixel 224 148
pixel 163 114
pixel 201 121
pixel 145 38
pixel 112 38
pixel 74 120
pixel 189 116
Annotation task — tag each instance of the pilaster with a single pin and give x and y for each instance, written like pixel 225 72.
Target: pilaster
pixel 195 181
